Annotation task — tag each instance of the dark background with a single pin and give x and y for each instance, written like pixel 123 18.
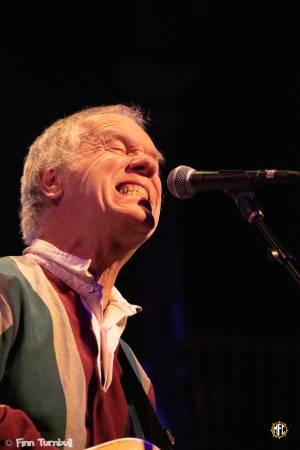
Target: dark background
pixel 219 334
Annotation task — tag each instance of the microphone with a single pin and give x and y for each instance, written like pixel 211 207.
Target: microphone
pixel 183 181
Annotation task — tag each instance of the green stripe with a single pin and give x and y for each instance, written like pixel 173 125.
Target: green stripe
pixel 31 381
pixel 5 344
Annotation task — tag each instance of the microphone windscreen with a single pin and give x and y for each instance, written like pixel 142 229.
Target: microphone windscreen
pixel 177 182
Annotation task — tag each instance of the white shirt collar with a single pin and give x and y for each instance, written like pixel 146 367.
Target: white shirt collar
pixel 74 272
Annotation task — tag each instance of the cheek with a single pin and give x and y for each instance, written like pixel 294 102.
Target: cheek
pixel 99 184
pixel 157 213
pixel 159 194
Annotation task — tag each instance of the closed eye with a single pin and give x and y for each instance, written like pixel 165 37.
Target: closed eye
pixel 121 150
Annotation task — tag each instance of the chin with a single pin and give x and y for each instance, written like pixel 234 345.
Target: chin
pixel 135 232
pixel 134 226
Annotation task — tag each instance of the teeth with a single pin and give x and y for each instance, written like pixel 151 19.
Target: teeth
pixel 133 190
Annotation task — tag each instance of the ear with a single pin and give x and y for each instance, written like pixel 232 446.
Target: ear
pixel 51 185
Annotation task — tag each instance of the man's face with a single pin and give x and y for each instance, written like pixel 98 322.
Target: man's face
pixel 115 192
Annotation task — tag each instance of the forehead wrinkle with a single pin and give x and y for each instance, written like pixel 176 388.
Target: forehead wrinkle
pixel 106 129
pixel 94 136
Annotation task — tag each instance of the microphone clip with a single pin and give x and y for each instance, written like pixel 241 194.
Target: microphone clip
pixel 247 206
pixel 252 213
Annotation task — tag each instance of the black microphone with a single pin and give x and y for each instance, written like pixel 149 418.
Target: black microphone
pixel 184 182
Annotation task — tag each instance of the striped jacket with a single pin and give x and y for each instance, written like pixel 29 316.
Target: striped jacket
pixel 41 372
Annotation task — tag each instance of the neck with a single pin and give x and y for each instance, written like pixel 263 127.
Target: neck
pixel 106 262
pixel 107 280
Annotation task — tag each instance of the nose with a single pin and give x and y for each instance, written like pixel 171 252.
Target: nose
pixel 144 165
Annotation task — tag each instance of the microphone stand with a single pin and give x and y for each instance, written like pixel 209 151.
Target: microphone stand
pixel 253 214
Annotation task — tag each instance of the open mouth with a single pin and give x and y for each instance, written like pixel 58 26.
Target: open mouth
pixel 137 191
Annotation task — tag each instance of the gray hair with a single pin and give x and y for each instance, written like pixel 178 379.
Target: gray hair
pixel 56 148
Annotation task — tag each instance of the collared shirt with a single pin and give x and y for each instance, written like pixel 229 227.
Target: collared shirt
pixel 108 325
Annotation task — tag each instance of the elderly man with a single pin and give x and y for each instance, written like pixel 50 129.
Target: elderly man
pixel 90 196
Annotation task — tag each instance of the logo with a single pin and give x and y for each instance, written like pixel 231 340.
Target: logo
pixel 279 430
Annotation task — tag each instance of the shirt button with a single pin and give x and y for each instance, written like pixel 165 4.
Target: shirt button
pixel 90 288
